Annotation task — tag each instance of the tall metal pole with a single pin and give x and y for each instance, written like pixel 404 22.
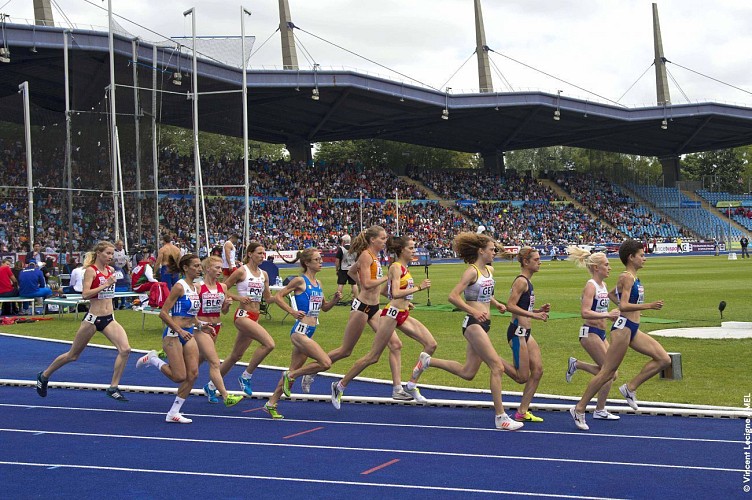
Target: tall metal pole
pixel 396 202
pixel 154 153
pixel 113 155
pixel 24 90
pixel 68 145
pixel 361 210
pixel 137 132
pixel 247 221
pixel 196 159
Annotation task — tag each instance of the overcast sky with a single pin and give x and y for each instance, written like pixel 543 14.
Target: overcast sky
pixel 601 45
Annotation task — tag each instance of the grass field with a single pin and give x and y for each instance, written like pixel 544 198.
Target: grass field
pixel 692 287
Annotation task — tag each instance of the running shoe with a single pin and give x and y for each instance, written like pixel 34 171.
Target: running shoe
pixel 162 355
pixel 571 368
pixel 416 395
pixel 400 394
pixel 211 394
pixel 115 394
pixel 630 396
pixel 146 359
pixel 306 382
pixel 504 423
pixel 272 410
pixel 287 383
pixel 604 415
pixel 42 385
pixel 424 361
pixel 527 417
pixel 177 418
pixel 232 400
pixel 246 385
pixel 579 419
pixel 336 395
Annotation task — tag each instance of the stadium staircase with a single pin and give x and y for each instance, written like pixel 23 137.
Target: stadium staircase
pixel 713 210
pixel 433 196
pixel 564 195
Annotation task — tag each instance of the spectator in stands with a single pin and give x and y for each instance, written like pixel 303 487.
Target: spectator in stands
pixel 143 278
pixel 31 282
pixel 8 286
pixel 343 261
pixel 120 264
pixel 744 243
pixel 17 268
pixel 76 284
pixel 229 255
pixel 36 255
pixel 166 252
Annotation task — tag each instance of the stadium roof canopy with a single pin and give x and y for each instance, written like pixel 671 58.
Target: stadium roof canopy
pixel 354 105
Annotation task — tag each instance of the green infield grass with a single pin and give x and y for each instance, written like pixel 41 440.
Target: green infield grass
pixel 692 287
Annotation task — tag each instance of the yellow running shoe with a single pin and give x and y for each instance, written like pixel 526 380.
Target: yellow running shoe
pixel 272 410
pixel 232 400
pixel 527 417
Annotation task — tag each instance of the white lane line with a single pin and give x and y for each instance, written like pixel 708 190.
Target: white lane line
pixel 338 482
pixel 386 424
pixel 373 450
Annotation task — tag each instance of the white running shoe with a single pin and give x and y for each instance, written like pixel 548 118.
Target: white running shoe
pixel 424 361
pixel 336 395
pixel 506 423
pixel 416 395
pixel 571 368
pixel 306 382
pixel 579 419
pixel 630 396
pixel 177 418
pixel 146 359
pixel 400 394
pixel 604 415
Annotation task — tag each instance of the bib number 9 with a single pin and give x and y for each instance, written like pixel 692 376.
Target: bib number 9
pixel 620 323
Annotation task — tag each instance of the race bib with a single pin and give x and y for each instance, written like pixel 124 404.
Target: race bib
pixel 620 323
pixel 392 312
pixel 520 331
pixel 355 305
pixel 465 321
pixel 584 332
pixel 301 328
pixel 90 318
pixel 212 302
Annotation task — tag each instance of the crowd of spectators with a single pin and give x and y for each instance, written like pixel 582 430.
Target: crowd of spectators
pixel 297 205
pixel 463 184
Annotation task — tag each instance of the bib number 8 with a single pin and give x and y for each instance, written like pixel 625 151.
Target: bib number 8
pixel 242 313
